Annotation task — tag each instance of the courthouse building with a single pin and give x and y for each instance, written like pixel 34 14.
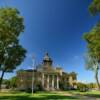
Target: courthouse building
pixel 44 75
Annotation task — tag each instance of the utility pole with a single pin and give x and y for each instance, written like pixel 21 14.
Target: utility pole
pixel 33 65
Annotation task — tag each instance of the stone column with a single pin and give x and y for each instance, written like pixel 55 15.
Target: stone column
pixel 43 80
pixel 48 82
pixel 53 82
pixel 57 82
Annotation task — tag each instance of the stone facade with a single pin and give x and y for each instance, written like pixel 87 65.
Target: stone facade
pixel 44 74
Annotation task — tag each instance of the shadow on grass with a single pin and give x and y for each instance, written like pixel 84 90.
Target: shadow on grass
pixel 43 97
pixel 84 94
pixel 93 95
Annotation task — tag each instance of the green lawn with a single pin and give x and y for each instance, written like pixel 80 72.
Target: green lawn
pixel 63 95
pixel 36 96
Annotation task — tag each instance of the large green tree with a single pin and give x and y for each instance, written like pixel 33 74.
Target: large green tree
pixel 94 7
pixel 92 39
pixel 11 52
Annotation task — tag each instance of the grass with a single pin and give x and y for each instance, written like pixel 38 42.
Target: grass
pixel 36 96
pixel 94 94
pixel 61 95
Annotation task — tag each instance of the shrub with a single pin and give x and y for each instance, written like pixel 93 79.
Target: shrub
pixel 82 87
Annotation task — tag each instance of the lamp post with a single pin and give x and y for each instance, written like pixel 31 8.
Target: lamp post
pixel 33 65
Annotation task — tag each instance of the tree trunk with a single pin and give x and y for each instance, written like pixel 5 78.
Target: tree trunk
pixel 1 78
pixel 97 80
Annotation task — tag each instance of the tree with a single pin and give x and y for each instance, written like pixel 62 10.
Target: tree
pixel 93 53
pixel 82 87
pixel 94 7
pixel 93 43
pixel 11 52
pixel 13 82
pixel 91 85
pixel 6 82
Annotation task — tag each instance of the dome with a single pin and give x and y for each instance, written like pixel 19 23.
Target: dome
pixel 46 57
pixel 47 60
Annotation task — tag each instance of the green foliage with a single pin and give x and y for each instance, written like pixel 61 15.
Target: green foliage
pixel 91 85
pixel 11 25
pixel 6 82
pixel 92 39
pixel 10 83
pixel 82 87
pixel 93 43
pixel 38 96
pixel 94 7
pixel 13 82
pixel 38 85
pixel 64 85
pixel 13 57
pixel 92 60
pixel 90 63
pixel 11 52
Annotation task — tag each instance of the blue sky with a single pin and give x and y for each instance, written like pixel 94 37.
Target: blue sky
pixel 56 27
